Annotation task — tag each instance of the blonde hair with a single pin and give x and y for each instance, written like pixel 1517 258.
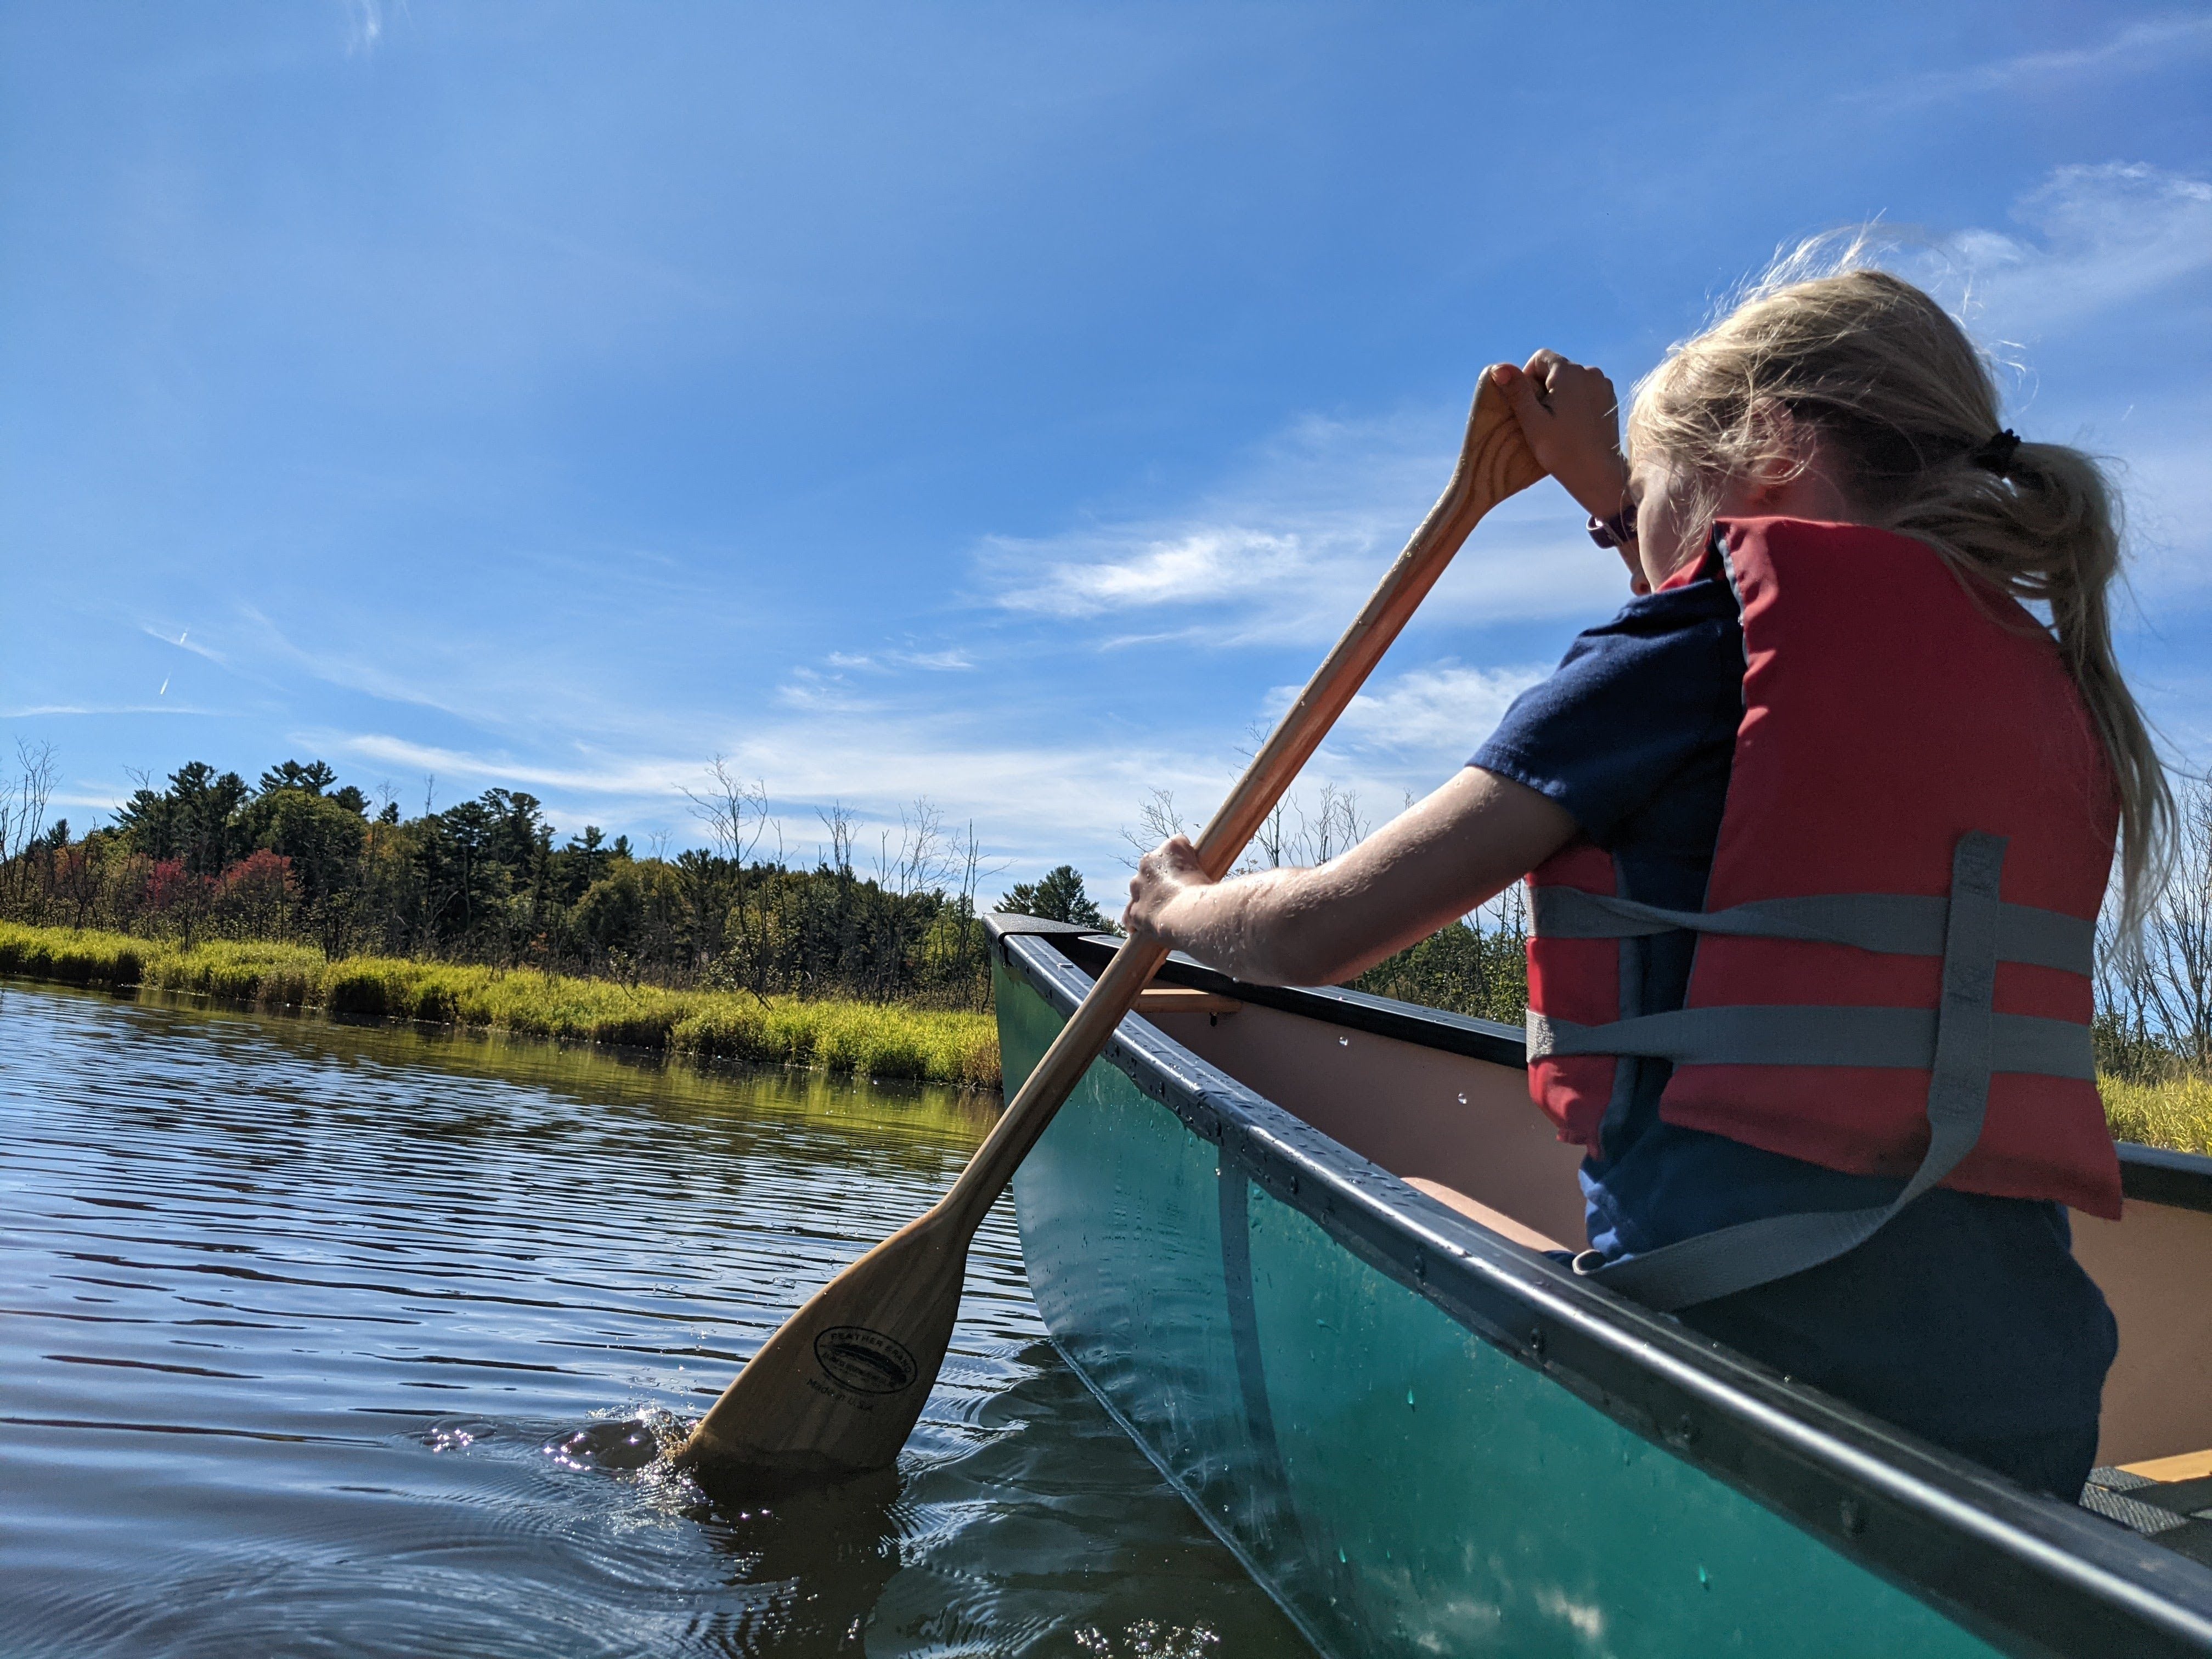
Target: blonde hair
pixel 1906 405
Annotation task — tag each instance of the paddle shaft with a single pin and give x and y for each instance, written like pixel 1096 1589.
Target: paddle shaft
pixel 837 1388
pixel 1226 835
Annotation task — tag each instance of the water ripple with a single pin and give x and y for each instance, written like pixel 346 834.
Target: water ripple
pixel 337 1339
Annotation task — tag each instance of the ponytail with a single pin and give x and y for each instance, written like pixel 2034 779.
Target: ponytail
pixel 2044 527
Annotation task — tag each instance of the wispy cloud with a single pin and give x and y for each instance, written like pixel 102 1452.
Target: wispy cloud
pixel 449 680
pixel 951 660
pixel 46 710
pixel 2147 44
pixel 1429 712
pixel 87 798
pixel 184 641
pixel 1284 551
pixel 2168 490
pixel 365 25
pixel 2096 238
pixel 595 774
pixel 812 691
pixel 1142 567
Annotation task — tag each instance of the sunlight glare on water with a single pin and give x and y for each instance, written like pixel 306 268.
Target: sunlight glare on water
pixel 330 1339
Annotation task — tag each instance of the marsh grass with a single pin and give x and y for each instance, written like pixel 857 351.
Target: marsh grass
pixel 2175 1112
pixel 863 1039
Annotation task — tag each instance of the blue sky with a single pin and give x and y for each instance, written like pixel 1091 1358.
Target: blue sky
pixel 1000 403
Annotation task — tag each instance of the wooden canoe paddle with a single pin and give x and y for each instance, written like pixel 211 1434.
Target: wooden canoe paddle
pixel 836 1391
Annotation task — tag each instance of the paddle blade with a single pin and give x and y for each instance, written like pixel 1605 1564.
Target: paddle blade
pixel 836 1391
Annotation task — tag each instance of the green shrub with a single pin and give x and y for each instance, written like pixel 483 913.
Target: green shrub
pixel 112 960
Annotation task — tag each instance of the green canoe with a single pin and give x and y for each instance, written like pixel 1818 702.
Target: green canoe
pixel 1293 1242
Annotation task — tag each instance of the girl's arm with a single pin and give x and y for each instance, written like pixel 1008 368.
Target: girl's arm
pixel 1435 862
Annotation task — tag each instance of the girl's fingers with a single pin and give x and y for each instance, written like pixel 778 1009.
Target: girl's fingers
pixel 1544 368
pixel 1538 390
pixel 1568 414
pixel 1526 395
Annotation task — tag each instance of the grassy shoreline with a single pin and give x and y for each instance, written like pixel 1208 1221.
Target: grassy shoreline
pixel 863 1039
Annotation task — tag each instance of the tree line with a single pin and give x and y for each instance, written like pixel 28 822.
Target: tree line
pixel 296 856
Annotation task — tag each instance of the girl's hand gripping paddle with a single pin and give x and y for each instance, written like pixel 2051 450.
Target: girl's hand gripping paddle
pixel 836 1391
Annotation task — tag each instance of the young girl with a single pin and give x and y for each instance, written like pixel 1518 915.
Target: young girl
pixel 1817 829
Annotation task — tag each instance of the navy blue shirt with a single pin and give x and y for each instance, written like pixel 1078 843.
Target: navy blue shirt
pixel 1634 736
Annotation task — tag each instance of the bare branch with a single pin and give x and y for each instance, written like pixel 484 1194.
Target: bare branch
pixel 1159 819
pixel 734 811
pixel 837 819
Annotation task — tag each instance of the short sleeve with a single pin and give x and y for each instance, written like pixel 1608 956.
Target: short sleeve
pixel 1632 705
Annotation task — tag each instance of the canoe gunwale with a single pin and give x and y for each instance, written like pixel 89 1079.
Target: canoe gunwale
pixel 2151 1175
pixel 2027 1574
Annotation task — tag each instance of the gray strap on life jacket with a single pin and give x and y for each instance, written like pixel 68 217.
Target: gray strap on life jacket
pixel 1895 924
pixel 1816 1035
pixel 1964 1053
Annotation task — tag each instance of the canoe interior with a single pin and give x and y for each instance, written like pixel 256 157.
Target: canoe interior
pixel 1468 1124
pixel 1257 1230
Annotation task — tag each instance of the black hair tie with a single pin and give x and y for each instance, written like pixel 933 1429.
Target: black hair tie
pixel 1995 454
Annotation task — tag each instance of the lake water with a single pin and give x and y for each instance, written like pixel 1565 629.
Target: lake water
pixel 324 1339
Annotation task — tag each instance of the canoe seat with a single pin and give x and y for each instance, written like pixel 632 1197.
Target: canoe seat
pixel 2167 1500
pixel 1497 1220
pixel 2190 1465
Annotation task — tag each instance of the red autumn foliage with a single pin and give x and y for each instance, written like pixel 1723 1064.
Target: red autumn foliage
pixel 260 877
pixel 166 882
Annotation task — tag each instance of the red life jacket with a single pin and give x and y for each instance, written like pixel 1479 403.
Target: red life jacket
pixel 1890 709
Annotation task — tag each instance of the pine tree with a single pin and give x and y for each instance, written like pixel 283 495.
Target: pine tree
pixel 1056 896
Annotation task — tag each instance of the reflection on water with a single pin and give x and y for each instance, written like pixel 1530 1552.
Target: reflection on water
pixel 326 1339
